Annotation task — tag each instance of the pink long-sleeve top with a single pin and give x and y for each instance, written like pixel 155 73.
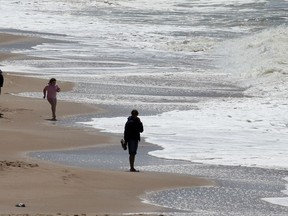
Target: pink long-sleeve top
pixel 51 91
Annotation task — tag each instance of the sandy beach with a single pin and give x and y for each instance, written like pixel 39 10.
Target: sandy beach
pixel 51 189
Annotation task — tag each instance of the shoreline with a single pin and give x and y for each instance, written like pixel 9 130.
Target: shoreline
pixel 54 189
pixel 49 188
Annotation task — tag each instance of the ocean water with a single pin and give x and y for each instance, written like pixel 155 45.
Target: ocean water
pixel 209 77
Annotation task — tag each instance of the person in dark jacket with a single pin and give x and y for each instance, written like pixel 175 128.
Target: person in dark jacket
pixel 1 81
pixel 1 85
pixel 133 128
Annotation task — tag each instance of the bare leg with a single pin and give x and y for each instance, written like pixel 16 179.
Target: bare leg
pixel 131 160
pixel 53 103
pixel 53 107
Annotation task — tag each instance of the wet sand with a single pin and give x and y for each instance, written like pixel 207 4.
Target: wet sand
pixel 53 189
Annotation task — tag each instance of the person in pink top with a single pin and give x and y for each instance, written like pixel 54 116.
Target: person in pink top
pixel 51 90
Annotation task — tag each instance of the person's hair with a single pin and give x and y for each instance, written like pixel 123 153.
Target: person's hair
pixel 134 112
pixel 52 80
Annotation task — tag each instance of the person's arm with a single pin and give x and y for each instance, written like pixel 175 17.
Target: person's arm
pixel 44 92
pixel 58 89
pixel 140 126
pixel 126 133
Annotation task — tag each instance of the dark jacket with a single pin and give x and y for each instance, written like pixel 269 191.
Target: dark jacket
pixel 1 80
pixel 133 128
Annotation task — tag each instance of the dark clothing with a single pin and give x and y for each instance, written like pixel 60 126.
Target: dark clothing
pixel 1 80
pixel 133 128
pixel 132 146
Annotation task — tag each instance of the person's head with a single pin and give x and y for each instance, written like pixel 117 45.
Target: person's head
pixel 134 113
pixel 52 81
pixel 0 71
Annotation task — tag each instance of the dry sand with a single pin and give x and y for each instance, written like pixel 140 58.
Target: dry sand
pixel 51 189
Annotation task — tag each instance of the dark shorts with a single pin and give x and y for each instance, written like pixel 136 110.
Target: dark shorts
pixel 132 146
